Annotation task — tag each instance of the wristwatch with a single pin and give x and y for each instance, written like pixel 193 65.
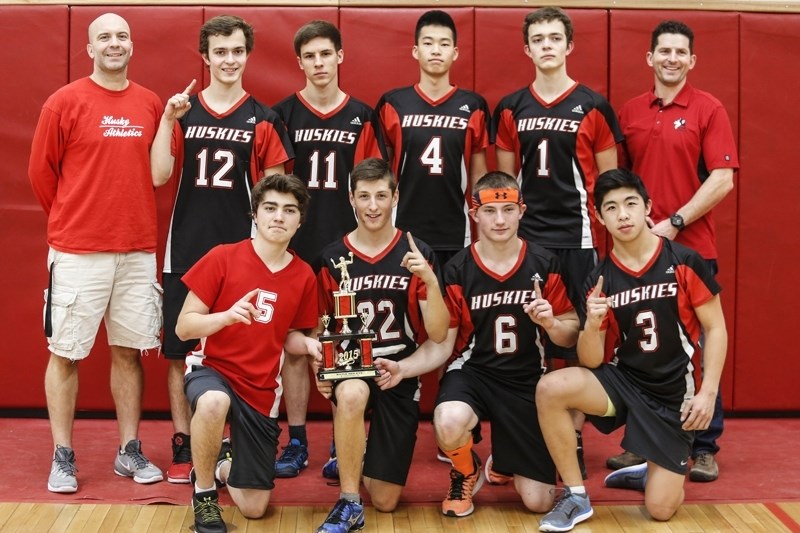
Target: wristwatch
pixel 677 221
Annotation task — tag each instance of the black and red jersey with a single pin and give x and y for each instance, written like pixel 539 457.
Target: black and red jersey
pixel 386 291
pixel 220 158
pixel 432 143
pixel 494 333
pixel 652 330
pixel 556 144
pixel 327 147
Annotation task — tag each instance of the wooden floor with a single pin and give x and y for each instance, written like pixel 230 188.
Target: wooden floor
pixel 74 518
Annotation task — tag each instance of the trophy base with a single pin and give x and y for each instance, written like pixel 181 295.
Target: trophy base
pixel 332 374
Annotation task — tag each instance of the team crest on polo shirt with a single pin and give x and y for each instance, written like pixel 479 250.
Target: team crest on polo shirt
pixel 679 123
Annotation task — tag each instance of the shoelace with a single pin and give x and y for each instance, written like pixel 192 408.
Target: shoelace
pixel 337 514
pixel 290 453
pixel 138 459
pixel 457 481
pixel 65 467
pixel 564 501
pixel 209 510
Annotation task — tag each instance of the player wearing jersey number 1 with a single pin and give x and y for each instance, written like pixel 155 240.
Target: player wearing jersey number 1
pixel 557 135
pixel 217 143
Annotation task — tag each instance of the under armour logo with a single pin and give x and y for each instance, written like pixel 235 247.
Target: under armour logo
pixel 500 195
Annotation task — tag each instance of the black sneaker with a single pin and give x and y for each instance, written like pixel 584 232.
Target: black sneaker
pixel 208 513
pixel 179 470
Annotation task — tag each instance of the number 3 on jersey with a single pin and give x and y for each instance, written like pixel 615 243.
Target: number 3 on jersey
pixel 432 157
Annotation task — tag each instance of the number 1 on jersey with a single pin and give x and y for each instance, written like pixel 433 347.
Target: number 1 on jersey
pixel 542 164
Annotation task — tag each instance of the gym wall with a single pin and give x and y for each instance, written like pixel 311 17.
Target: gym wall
pixel 745 58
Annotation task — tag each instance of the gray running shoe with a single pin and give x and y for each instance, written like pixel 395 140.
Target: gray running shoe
pixel 631 477
pixel 62 474
pixel 569 510
pixel 133 463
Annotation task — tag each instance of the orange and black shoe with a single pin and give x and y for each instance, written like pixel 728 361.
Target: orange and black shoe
pixel 462 489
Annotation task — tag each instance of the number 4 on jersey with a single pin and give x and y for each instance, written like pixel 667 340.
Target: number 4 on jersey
pixel 432 157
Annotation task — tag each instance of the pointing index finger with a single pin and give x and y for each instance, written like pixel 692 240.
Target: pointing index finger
pixel 188 90
pixel 537 290
pixel 411 243
pixel 250 295
pixel 598 288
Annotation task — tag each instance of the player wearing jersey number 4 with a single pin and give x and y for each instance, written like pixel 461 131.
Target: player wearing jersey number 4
pixel 436 134
pixel 217 143
pixel 647 303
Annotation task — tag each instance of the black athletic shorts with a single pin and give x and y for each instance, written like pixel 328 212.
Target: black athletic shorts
pixel 174 295
pixel 394 417
pixel 517 443
pixel 652 430
pixel 254 436
pixel 576 265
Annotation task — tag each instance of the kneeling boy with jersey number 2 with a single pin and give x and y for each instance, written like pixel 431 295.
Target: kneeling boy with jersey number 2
pixel 647 304
pixel 398 296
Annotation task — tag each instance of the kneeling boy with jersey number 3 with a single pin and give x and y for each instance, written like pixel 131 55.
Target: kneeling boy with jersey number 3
pixel 647 304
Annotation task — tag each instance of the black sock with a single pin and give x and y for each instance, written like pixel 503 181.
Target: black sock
pixel 299 433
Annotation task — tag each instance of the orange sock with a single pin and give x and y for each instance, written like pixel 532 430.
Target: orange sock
pixel 462 458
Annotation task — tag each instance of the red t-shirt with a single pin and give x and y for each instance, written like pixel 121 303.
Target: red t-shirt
pixel 90 167
pixel 674 148
pixel 250 357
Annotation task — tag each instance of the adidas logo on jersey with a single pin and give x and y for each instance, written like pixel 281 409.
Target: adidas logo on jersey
pixel 464 108
pixel 356 121
pixel 578 109
pixel 670 270
pixel 251 120
pixel 537 277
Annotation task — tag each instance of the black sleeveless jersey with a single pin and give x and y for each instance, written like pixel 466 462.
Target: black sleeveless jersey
pixel 326 149
pixel 221 157
pixel 386 291
pixel 494 333
pixel 652 331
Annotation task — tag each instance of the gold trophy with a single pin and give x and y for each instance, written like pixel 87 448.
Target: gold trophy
pixel 356 360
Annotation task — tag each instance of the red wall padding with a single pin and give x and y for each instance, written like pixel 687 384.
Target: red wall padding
pixel 767 364
pixel 609 56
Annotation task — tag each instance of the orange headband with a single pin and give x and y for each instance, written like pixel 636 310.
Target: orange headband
pixel 487 196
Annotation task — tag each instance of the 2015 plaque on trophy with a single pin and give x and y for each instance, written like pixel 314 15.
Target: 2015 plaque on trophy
pixel 355 360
